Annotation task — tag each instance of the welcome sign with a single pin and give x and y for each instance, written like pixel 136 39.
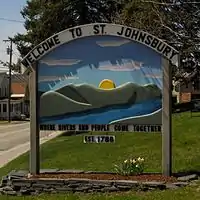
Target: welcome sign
pixel 101 128
pixel 100 29
pixel 101 77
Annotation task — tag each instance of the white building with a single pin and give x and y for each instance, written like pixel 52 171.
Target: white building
pixel 18 87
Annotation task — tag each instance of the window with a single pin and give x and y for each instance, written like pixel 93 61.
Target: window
pixel 4 92
pixel 17 107
pixel 5 89
pixel 4 107
pixel 11 108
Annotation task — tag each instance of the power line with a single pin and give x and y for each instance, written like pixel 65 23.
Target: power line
pixel 10 20
pixel 14 52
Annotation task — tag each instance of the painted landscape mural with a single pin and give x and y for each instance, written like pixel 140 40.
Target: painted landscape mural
pixel 100 80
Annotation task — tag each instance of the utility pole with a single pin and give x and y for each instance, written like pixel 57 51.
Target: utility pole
pixel 9 52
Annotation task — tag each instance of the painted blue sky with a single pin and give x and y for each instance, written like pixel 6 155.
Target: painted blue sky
pixel 93 59
pixel 10 10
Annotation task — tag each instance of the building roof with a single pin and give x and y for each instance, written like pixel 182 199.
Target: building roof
pixel 18 88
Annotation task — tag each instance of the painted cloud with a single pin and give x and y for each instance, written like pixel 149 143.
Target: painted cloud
pixel 56 78
pixel 158 76
pixel 130 66
pixel 62 62
pixel 112 43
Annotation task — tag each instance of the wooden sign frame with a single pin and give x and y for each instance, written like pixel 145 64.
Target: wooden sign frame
pixel 169 54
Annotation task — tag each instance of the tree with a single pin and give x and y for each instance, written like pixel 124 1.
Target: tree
pixel 14 67
pixel 17 67
pixel 176 22
pixel 44 18
pixel 182 19
pixel 141 15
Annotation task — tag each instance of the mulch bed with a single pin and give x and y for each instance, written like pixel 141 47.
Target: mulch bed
pixel 142 177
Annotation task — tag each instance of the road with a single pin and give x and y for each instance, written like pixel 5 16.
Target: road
pixel 15 140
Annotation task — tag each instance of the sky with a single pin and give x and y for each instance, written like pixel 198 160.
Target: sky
pixel 10 9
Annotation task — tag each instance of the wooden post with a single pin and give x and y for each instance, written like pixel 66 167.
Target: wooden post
pixel 34 122
pixel 167 119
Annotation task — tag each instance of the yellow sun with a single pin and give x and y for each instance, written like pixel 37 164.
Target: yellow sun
pixel 107 84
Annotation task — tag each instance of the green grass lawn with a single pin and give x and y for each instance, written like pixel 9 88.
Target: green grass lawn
pixel 69 152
